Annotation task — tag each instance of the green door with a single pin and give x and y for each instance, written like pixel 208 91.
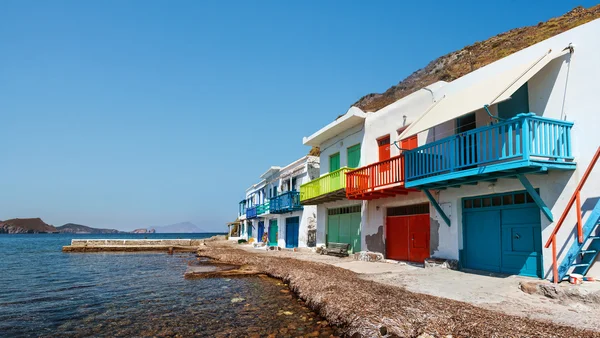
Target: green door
pixel 354 156
pixel 273 229
pixel 334 162
pixel 343 226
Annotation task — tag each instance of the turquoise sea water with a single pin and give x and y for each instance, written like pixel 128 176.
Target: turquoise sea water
pixel 45 292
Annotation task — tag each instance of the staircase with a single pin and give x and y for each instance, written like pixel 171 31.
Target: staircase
pixel 581 256
pixel 585 248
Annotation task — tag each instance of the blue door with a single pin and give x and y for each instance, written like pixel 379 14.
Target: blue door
pixel 502 233
pixel 261 231
pixel 292 225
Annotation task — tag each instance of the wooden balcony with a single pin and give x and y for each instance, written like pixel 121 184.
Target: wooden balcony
pixel 285 202
pixel 524 144
pixel 327 188
pixel 263 208
pixel 378 180
pixel 251 212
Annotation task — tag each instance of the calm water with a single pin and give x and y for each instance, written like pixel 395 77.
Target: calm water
pixel 44 292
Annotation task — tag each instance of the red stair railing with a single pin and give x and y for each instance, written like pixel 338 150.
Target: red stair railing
pixel 577 200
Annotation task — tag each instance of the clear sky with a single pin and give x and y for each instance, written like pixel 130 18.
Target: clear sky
pixel 129 114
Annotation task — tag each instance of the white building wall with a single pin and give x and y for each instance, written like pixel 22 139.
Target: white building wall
pixel 565 89
pixel 340 144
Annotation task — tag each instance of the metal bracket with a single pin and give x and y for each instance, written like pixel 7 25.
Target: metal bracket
pixel 437 207
pixel 536 197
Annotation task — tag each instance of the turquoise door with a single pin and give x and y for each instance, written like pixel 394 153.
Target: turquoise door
pixel 292 225
pixel 522 242
pixel 502 233
pixel 273 232
pixel 482 240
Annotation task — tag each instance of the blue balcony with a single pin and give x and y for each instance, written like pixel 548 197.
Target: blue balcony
pixel 524 144
pixel 251 212
pixel 285 202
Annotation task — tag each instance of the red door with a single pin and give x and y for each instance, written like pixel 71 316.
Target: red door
pixel 384 148
pixel 409 143
pixel 384 154
pixel 418 232
pixel 407 238
pixel 396 238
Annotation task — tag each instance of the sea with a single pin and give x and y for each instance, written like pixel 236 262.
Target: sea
pixel 47 293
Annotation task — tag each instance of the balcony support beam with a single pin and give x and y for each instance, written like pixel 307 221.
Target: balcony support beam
pixel 437 206
pixel 536 197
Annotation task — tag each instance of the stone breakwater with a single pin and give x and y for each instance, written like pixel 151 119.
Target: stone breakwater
pixel 134 245
pixel 369 309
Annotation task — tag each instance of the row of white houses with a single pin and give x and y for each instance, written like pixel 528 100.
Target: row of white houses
pixel 485 170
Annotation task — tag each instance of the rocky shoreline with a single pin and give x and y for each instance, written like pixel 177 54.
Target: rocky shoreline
pixel 369 309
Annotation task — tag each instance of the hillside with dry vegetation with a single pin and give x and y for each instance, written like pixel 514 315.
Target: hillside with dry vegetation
pixel 456 64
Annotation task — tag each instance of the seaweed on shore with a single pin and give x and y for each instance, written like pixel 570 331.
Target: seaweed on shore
pixel 370 309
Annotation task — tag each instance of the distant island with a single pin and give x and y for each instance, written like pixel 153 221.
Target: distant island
pixel 26 226
pixel 143 231
pixel 72 228
pixel 38 226
pixel 179 228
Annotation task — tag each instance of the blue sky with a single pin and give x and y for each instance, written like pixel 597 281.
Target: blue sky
pixel 129 114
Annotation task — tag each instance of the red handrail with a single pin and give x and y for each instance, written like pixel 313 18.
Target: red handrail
pixel 574 199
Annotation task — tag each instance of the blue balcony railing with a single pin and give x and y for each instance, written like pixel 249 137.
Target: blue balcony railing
pixel 286 202
pixel 525 138
pixel 251 212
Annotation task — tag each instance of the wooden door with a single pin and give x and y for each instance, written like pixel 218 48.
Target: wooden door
pixel 291 232
pixel 409 143
pixel 396 238
pixel 418 232
pixel 273 229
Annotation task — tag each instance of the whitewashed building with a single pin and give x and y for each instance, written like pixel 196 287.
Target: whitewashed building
pixel 271 209
pixel 483 170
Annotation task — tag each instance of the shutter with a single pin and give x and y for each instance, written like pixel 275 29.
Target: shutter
pixel 354 156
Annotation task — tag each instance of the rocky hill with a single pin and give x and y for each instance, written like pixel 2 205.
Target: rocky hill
pixel 72 228
pixel 456 64
pixel 26 226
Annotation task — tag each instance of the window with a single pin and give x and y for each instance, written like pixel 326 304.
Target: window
pixel 334 162
pixel 344 210
pixel 512 198
pixel 293 184
pixel 518 103
pixel 408 210
pixel 354 156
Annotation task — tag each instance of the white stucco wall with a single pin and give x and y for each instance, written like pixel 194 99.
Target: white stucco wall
pixel 340 144
pixel 566 90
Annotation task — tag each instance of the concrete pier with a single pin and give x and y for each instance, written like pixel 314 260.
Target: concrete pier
pixel 133 245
